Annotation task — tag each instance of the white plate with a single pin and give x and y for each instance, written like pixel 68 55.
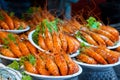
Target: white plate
pixel 44 77
pixel 9 58
pixel 32 42
pixel 109 47
pixel 16 31
pixel 97 66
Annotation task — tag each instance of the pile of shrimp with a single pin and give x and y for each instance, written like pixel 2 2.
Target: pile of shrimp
pixel 37 16
pixel 56 65
pixel 98 55
pixel 70 26
pixel 105 36
pixel 57 41
pixel 14 47
pixel 8 22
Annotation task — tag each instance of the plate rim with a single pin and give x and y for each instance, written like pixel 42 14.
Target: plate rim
pixel 97 65
pixel 9 58
pixel 17 31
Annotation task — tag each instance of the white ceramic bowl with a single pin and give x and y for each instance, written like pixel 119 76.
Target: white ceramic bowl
pixel 109 47
pixel 44 77
pixel 97 66
pixel 16 31
pixel 38 47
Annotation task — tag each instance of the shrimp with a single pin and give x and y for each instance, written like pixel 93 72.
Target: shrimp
pixel 61 63
pixel 97 38
pixel 48 40
pixel 109 55
pixel 88 38
pixel 111 30
pixel 29 67
pixel 23 24
pixel 56 42
pixel 90 52
pixel 85 58
pixel 107 34
pixel 114 56
pixel 3 25
pixel 63 41
pixel 31 48
pixel 3 35
pixel 38 18
pixel 23 48
pixel 50 64
pixel 76 24
pixel 107 40
pixel 71 44
pixel 41 42
pixel 77 44
pixel 16 23
pixel 15 49
pixel 41 68
pixel 72 66
pixel 7 52
pixel 8 19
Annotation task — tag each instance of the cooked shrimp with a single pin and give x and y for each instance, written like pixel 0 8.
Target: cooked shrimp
pixel 88 38
pixel 97 38
pixel 90 52
pixel 72 66
pixel 8 19
pixel 107 34
pixel 56 42
pixel 71 44
pixel 85 58
pixel 16 23
pixel 63 41
pixel 41 68
pixel 109 55
pixel 15 49
pixel 111 30
pixel 3 25
pixel 7 52
pixel 41 42
pixel 61 63
pixel 31 48
pixel 29 67
pixel 107 40
pixel 50 65
pixel 48 40
pixel 77 44
pixel 23 48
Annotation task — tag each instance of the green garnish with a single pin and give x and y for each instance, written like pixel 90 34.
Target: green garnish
pixel 36 34
pixel 92 23
pixel 5 41
pixel 20 27
pixel 25 76
pixel 31 59
pixel 12 14
pixel 1 16
pixel 11 37
pixel 15 65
